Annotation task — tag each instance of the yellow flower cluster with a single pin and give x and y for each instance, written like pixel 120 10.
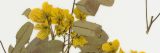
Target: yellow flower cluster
pixel 79 41
pixel 111 47
pixel 63 19
pixel 49 15
pixel 79 14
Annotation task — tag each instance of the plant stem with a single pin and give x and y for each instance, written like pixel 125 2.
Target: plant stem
pixel 2 47
pixel 51 29
pixel 74 1
pixel 52 33
pixel 70 29
pixel 146 13
pixel 152 20
pixel 64 39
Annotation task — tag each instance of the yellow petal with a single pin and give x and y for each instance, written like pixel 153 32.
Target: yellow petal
pixel 37 15
pixel 57 16
pixel 54 20
pixel 43 34
pixel 115 44
pixel 47 8
pixel 79 41
pixel 73 34
pixel 59 29
pixel 106 47
pixel 42 26
pixel 79 15
pixel 121 51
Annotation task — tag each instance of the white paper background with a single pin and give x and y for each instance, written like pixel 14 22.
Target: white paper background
pixel 125 21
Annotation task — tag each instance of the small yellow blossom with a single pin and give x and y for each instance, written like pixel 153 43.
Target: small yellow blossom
pixel 79 41
pixel 115 44
pixel 37 15
pixel 57 15
pixel 60 29
pixel 107 47
pixel 47 8
pixel 43 34
pixel 42 18
pixel 63 19
pixel 42 26
pixel 73 34
pixel 79 14
pixel 121 51
pixel 111 46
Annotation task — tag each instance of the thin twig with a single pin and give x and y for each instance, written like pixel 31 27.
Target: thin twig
pixel 2 46
pixel 52 32
pixel 146 13
pixel 64 38
pixel 150 25
pixel 70 29
pixel 74 1
pixel 152 19
pixel 50 25
pixel 156 17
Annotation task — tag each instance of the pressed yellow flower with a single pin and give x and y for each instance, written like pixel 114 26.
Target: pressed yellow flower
pixel 40 15
pixel 61 16
pixel 37 15
pixel 42 26
pixel 121 51
pixel 59 29
pixel 63 19
pixel 111 46
pixel 68 19
pixel 79 41
pixel 79 14
pixel 73 34
pixel 47 8
pixel 44 30
pixel 43 34
pixel 115 44
pixel 57 15
pixel 107 47
pixel 42 18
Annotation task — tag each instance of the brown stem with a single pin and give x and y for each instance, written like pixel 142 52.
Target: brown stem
pixel 52 33
pixel 70 29
pixel 2 47
pixel 156 17
pixel 146 13
pixel 74 1
pixel 50 25
pixel 64 39
pixel 152 20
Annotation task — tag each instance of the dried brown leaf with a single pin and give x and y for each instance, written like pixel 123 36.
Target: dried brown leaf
pixel 93 34
pixel 23 36
pixel 89 7
pixel 10 49
pixel 49 47
pixel 26 12
pixel 106 2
